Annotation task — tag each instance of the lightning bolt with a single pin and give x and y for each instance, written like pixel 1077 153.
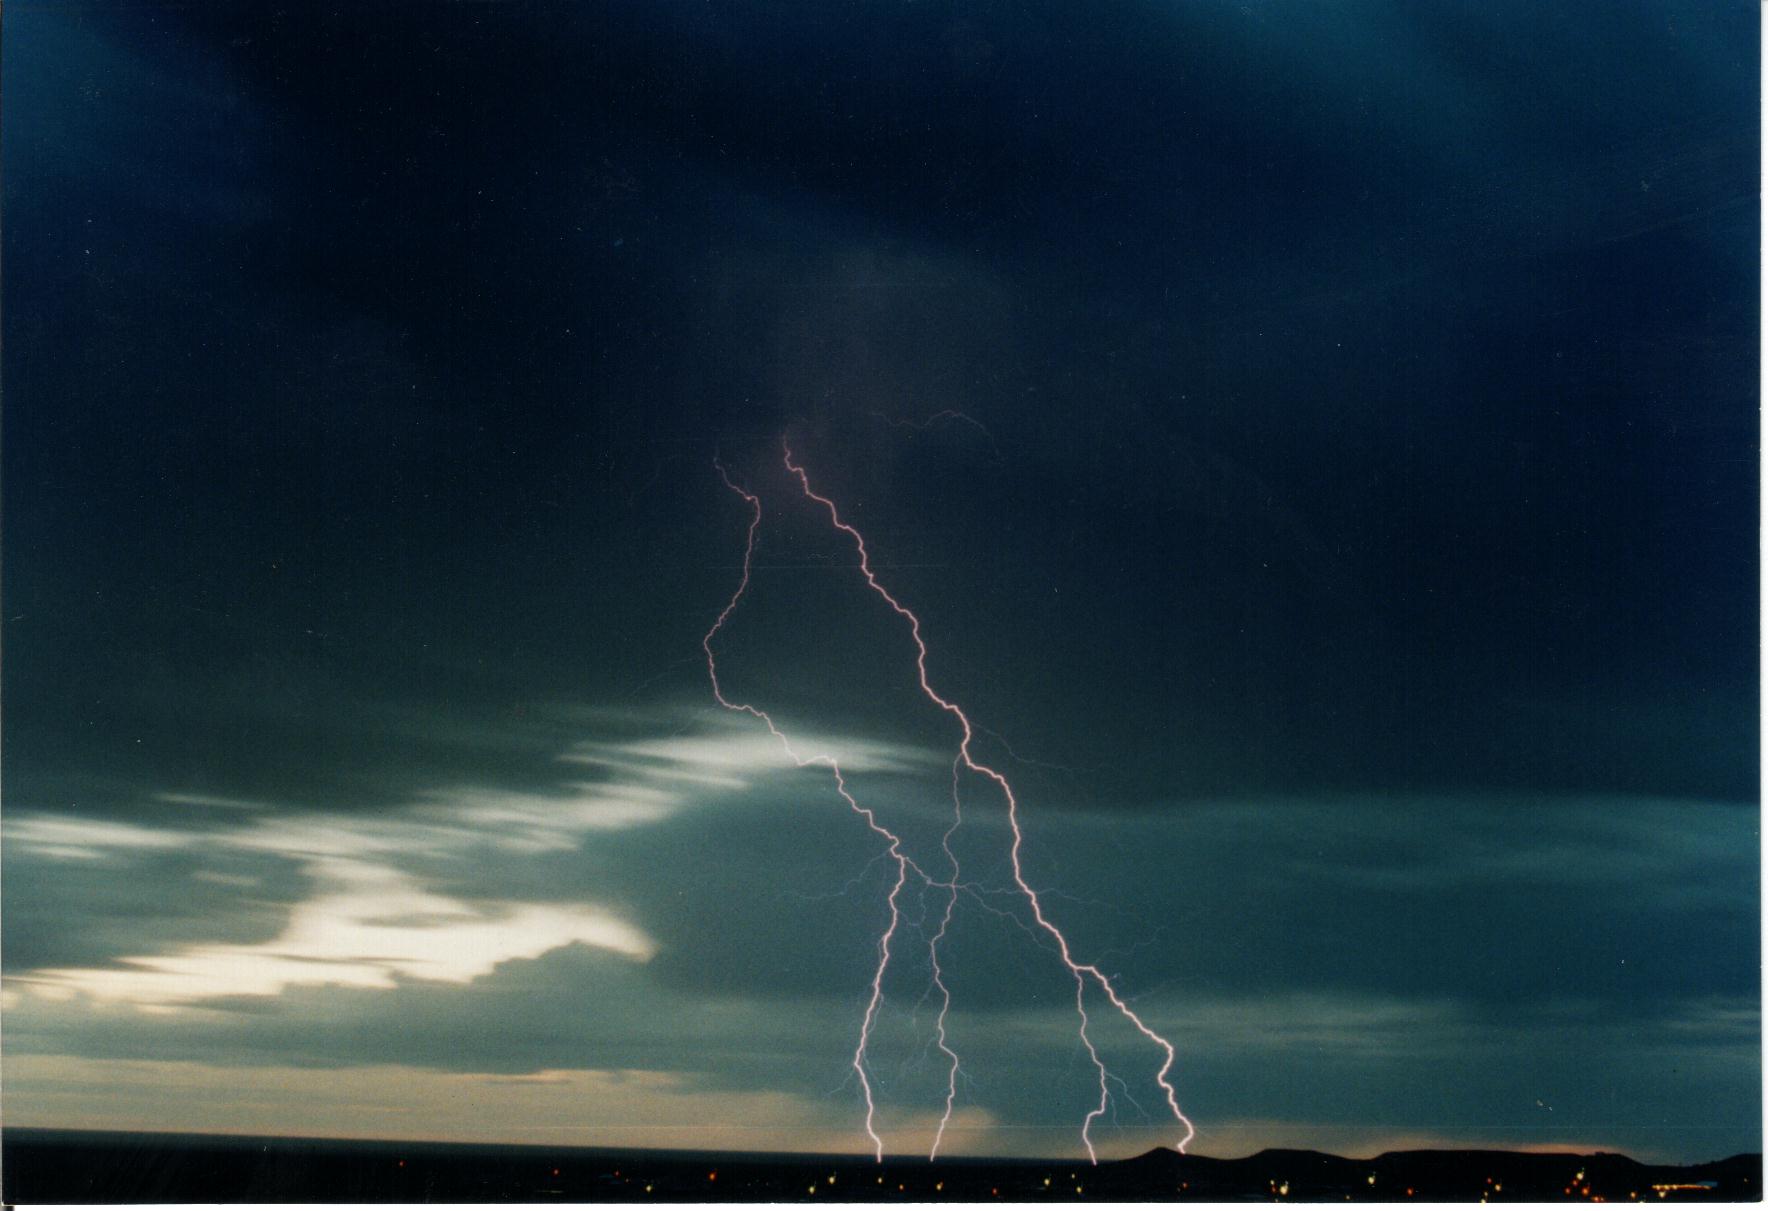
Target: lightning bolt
pixel 903 863
pixel 945 1003
pixel 1082 973
pixel 943 416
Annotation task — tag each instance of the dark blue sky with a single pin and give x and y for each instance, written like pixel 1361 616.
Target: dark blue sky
pixel 1354 537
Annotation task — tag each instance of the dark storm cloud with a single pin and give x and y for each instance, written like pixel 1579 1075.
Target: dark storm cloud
pixel 94 911
pixel 217 706
pixel 452 286
pixel 1626 904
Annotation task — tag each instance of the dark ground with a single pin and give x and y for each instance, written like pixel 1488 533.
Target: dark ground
pixel 58 1166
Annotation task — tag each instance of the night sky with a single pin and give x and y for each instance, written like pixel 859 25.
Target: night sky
pixel 1320 443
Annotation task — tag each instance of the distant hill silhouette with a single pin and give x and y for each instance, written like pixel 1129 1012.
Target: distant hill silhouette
pixel 1455 1175
pixel 99 1167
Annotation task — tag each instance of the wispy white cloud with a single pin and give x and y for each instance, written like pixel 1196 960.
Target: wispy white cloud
pixel 77 838
pixel 225 802
pixel 529 822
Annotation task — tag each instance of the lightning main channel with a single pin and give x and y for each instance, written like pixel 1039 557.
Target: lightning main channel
pixel 1081 972
pixel 903 863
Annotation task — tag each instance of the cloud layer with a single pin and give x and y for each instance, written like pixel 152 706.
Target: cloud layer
pixel 704 912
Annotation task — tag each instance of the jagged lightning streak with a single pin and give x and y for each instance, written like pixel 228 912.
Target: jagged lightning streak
pixel 1081 971
pixel 945 1004
pixel 903 863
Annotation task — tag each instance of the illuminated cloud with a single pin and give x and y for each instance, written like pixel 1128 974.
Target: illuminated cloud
pixel 728 755
pixel 367 927
pixel 385 902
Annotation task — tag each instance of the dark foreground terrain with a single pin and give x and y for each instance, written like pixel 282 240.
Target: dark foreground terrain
pixel 61 1166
